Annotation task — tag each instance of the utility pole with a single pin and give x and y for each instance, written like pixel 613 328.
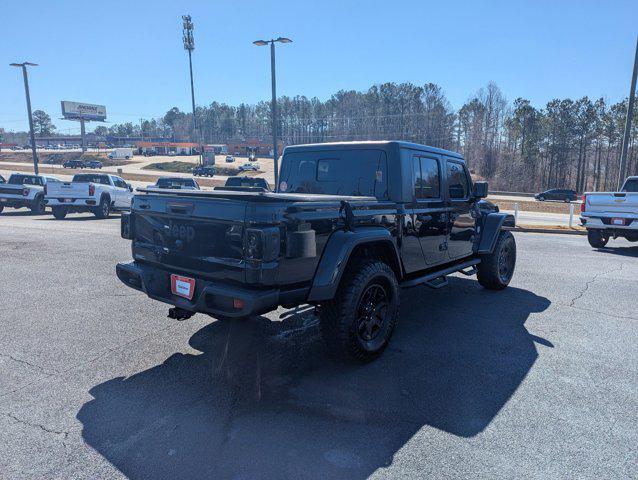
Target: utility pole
pixel 25 76
pixel 622 172
pixel 189 45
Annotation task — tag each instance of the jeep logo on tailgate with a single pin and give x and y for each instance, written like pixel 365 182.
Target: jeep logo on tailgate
pixel 180 232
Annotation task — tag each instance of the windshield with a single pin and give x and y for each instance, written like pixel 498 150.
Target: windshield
pixel 631 185
pixel 88 178
pixel 24 180
pixel 335 172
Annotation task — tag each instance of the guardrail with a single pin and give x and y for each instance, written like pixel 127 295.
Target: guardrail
pixel 511 194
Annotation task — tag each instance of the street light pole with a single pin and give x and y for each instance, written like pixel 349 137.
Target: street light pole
pixel 273 81
pixel 189 45
pixel 274 100
pixel 630 114
pixel 25 76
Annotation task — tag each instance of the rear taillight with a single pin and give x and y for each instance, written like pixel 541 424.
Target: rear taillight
pixel 91 189
pixel 582 205
pixel 126 226
pixel 25 192
pixel 262 244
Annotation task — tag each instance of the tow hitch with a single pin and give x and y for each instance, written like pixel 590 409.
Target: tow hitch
pixel 180 314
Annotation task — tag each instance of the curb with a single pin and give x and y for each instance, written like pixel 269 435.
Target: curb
pixel 546 230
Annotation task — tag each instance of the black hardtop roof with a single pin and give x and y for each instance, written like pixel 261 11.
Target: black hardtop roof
pixel 384 144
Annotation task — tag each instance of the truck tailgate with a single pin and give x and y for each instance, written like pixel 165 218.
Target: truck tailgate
pixel 202 236
pixel 7 189
pixel 67 190
pixel 608 203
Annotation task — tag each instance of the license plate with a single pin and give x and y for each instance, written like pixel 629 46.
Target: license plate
pixel 617 221
pixel 182 286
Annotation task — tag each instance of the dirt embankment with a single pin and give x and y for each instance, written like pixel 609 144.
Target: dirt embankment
pixel 52 158
pixel 534 206
pixel 187 167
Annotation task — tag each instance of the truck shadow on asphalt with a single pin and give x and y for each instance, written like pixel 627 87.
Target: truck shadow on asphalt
pixel 623 251
pixel 263 401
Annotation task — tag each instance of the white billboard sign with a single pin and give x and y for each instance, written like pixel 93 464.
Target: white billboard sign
pixel 87 111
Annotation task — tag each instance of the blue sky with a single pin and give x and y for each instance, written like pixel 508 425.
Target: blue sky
pixel 129 55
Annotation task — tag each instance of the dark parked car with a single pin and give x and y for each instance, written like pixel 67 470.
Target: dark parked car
pixel 557 194
pixel 74 164
pixel 348 226
pixel 205 171
pixel 93 164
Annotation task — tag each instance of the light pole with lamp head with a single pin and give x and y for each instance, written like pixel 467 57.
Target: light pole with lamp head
pixel 189 45
pixel 24 66
pixel 262 43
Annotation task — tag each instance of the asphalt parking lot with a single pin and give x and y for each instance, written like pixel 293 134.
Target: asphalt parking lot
pixel 537 381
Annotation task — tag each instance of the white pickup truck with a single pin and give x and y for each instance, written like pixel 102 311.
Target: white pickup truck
pixel 23 190
pixel 611 214
pixel 98 193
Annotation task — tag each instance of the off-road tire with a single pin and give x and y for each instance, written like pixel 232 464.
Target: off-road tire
pixel 59 212
pixel 596 238
pixel 341 318
pixel 38 207
pixel 103 210
pixel 497 268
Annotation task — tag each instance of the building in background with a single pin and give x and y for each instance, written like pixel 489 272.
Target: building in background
pixel 259 148
pixel 166 148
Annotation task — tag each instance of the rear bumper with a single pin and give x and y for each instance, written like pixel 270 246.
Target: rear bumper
pixel 605 223
pixel 75 202
pixel 210 297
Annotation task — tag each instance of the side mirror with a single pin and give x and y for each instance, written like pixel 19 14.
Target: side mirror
pixel 130 187
pixel 479 190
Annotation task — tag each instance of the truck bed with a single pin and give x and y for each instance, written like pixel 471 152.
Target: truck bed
pixel 252 196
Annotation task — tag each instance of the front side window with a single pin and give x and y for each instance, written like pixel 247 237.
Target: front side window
pixel 457 181
pixel 426 177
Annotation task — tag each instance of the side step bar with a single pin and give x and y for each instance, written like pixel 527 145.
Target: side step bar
pixel 437 279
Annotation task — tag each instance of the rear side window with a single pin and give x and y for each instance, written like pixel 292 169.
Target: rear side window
pixel 337 172
pixel 631 185
pixel 457 180
pixel 426 177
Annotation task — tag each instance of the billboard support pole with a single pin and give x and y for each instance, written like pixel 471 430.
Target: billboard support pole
pixel 82 133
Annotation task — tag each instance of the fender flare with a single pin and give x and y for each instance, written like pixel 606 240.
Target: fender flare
pixel 106 195
pixel 336 254
pixel 491 227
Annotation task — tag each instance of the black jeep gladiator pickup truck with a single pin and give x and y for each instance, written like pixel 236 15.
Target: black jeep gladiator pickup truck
pixel 348 226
